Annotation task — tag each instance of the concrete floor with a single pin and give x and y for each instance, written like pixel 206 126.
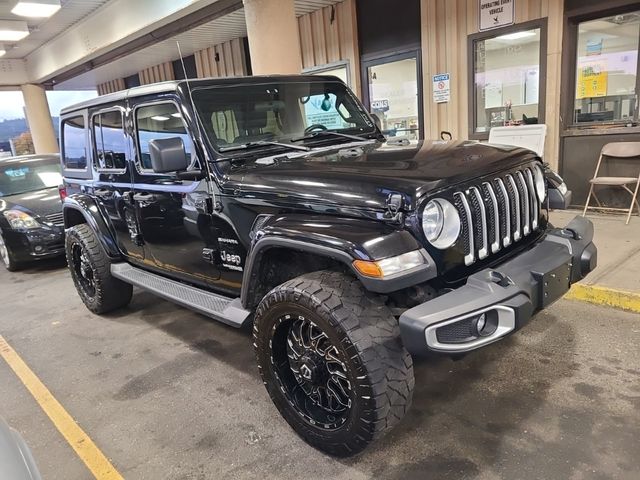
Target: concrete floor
pixel 168 394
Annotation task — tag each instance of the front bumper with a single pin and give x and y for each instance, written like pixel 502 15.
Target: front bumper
pixel 504 298
pixel 39 243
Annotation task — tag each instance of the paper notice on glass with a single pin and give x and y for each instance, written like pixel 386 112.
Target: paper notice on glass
pixel 592 79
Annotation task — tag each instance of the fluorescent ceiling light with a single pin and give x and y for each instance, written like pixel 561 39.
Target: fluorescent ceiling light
pixel 12 31
pixel 516 35
pixel 176 115
pixel 2 50
pixel 160 118
pixel 36 8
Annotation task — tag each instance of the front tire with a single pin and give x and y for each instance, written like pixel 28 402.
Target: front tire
pixel 331 358
pixel 91 272
pixel 7 256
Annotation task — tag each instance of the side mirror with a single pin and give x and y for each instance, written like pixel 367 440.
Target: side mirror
pixel 557 193
pixel 168 155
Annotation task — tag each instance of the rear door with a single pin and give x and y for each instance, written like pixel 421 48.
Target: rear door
pixel 112 186
pixel 173 213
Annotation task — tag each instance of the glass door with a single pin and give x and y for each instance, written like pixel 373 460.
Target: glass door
pixel 393 92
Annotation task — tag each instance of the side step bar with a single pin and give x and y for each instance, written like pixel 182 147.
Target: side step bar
pixel 218 307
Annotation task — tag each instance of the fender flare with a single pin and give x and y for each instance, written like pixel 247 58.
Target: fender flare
pixel 94 217
pixel 341 239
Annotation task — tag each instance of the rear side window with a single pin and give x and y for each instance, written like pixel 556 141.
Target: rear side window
pixel 159 121
pixel 110 144
pixel 75 149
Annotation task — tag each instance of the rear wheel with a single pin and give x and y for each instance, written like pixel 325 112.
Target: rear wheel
pixel 331 358
pixel 7 256
pixel 91 272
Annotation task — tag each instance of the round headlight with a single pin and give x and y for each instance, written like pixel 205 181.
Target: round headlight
pixel 541 187
pixel 432 220
pixel 440 223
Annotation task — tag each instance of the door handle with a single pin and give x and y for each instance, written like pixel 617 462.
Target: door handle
pixel 144 197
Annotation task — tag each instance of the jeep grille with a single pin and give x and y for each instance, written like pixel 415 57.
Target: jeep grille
pixel 494 214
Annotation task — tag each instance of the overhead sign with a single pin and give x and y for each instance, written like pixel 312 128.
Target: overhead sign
pixel 496 13
pixel 441 88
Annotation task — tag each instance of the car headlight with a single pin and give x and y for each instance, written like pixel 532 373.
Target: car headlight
pixel 20 220
pixel 440 223
pixel 541 185
pixel 392 265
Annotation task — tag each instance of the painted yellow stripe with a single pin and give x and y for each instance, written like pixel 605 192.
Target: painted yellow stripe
pixel 88 452
pixel 610 297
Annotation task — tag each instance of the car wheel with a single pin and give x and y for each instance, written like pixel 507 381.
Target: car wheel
pixel 91 272
pixel 7 257
pixel 331 358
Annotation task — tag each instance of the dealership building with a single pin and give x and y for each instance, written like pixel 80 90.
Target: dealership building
pixel 423 66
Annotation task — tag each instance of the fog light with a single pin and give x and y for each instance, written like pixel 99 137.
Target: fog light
pixel 486 324
pixel 38 248
pixel 481 322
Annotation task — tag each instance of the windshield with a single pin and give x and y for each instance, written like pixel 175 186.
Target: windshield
pixel 279 112
pixel 28 175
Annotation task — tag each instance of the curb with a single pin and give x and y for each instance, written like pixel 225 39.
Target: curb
pixel 629 301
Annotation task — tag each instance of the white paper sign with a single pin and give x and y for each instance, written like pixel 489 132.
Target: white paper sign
pixel 496 13
pixel 441 88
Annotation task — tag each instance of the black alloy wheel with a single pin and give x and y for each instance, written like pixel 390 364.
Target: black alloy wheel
pixel 84 272
pixel 311 372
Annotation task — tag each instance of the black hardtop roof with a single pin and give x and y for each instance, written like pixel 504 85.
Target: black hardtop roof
pixel 174 85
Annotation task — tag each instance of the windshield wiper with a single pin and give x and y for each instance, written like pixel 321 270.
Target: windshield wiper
pixel 323 133
pixel 262 143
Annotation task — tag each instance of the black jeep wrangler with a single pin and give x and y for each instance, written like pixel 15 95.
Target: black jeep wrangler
pixel 274 201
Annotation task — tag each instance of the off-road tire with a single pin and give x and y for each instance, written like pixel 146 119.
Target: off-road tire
pixel 367 337
pixel 110 293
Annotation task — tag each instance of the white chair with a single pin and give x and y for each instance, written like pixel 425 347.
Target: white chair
pixel 526 136
pixel 616 150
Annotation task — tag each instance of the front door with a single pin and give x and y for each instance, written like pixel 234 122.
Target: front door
pixel 393 91
pixel 173 214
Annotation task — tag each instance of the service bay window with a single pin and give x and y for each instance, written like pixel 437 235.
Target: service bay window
pixel 607 70
pixel 508 75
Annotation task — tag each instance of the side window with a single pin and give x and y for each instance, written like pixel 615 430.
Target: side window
pixel 159 121
pixel 110 144
pixel 74 147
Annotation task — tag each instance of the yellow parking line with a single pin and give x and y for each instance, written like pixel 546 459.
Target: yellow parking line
pixel 88 452
pixel 598 295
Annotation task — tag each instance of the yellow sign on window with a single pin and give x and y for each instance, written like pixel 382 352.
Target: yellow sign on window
pixel 592 80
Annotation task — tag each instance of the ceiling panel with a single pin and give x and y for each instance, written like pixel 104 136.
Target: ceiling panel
pixel 43 30
pixel 217 31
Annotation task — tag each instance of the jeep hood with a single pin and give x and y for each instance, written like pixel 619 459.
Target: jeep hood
pixel 363 177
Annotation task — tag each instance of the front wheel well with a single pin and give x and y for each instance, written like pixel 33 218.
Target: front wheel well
pixel 73 217
pixel 279 264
